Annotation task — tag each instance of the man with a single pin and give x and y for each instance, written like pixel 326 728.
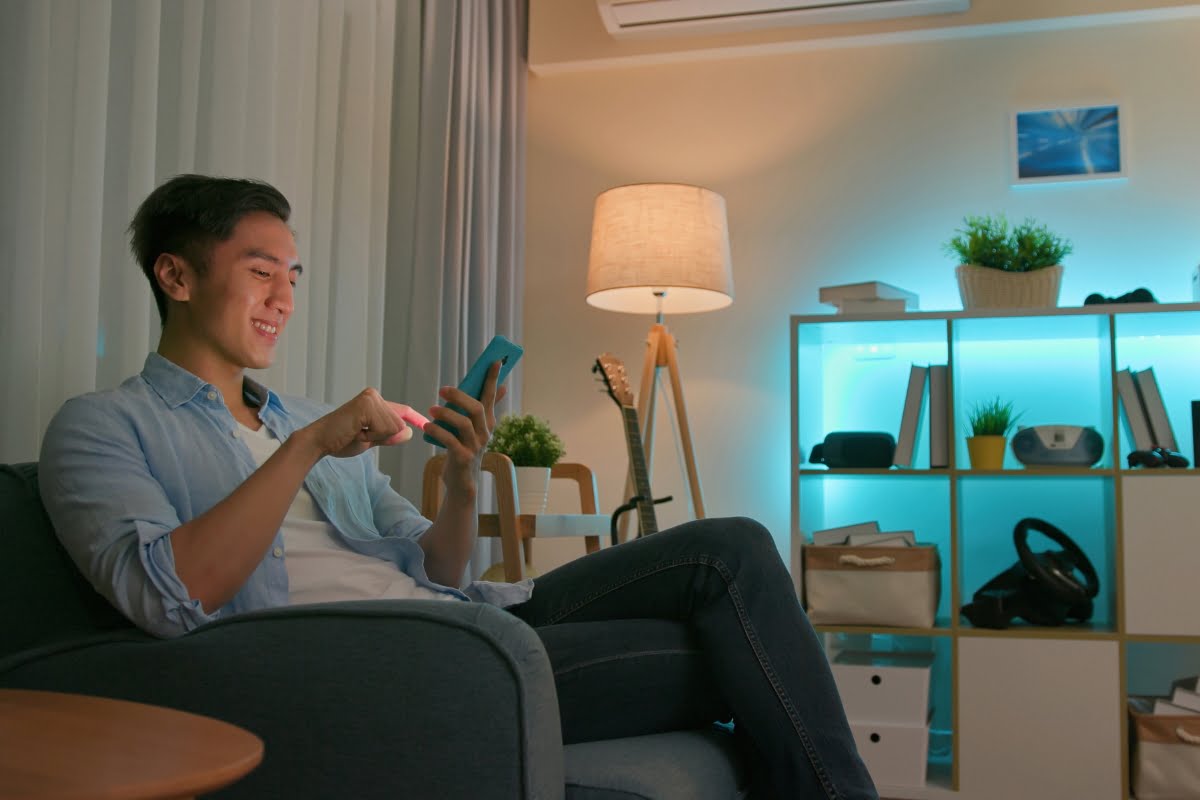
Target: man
pixel 192 492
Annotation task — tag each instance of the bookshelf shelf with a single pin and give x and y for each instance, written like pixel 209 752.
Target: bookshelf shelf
pixel 1059 367
pixel 1019 631
pixel 891 473
pixel 1040 472
pixel 942 629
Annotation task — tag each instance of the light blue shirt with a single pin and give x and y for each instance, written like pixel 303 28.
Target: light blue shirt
pixel 121 469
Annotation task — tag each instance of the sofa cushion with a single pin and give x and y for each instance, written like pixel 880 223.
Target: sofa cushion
pixel 43 597
pixel 699 765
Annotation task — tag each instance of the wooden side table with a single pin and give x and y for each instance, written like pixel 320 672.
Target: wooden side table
pixel 60 746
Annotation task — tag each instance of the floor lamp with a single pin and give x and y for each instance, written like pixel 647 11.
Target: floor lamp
pixel 660 248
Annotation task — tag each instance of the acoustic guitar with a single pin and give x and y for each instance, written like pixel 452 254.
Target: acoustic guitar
pixel 616 384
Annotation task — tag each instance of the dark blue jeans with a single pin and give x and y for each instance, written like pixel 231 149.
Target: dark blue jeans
pixel 716 633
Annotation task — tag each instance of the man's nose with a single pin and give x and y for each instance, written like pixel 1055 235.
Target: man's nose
pixel 283 295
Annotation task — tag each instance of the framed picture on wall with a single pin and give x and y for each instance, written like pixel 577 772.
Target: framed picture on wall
pixel 1071 143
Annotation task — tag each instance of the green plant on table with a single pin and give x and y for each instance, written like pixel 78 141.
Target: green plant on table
pixel 527 440
pixel 989 241
pixel 992 418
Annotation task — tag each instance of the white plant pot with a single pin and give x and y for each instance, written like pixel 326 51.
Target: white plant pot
pixel 533 488
pixel 984 287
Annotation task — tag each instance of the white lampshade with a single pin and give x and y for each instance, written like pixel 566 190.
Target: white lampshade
pixel 659 237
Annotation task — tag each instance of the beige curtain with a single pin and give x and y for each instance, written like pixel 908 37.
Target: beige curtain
pixel 104 99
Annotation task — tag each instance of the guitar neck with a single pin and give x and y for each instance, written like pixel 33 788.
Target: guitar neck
pixel 647 523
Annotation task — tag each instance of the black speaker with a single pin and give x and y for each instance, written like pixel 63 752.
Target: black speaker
pixel 855 450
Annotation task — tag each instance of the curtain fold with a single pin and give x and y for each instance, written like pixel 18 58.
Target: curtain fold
pixel 457 211
pixel 105 99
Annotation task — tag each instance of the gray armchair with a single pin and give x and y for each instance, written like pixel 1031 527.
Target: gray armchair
pixel 415 699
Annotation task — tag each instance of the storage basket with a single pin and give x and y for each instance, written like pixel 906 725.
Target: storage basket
pixel 893 586
pixel 1165 763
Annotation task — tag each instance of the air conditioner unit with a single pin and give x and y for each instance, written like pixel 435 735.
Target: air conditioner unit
pixel 629 18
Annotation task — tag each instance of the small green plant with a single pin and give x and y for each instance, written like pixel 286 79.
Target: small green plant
pixel 992 418
pixel 987 241
pixel 527 440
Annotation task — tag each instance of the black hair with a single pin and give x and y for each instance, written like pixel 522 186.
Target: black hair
pixel 189 214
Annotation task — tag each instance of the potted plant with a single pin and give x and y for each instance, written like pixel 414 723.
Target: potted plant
pixel 1007 267
pixel 990 421
pixel 533 449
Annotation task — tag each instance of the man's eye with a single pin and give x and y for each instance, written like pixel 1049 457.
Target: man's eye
pixel 262 272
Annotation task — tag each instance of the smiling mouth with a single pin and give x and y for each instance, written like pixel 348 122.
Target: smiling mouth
pixel 267 328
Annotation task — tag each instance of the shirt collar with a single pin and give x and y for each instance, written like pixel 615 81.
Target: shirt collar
pixel 175 385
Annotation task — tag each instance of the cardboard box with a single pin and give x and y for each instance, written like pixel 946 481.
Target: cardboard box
pixel 879 687
pixel 1165 762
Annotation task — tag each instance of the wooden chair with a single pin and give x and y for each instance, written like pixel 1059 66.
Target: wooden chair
pixel 516 530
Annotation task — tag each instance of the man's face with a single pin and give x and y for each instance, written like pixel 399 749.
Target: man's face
pixel 241 303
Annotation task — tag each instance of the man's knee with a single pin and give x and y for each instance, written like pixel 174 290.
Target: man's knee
pixel 734 538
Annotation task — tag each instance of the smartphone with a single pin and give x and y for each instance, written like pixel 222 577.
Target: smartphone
pixel 498 349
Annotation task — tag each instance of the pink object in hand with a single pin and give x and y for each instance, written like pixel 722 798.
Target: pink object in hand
pixel 408 415
pixel 413 417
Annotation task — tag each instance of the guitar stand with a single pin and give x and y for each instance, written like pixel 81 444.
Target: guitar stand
pixel 632 504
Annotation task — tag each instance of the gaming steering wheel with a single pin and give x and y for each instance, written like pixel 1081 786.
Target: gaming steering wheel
pixel 1041 588
pixel 1056 570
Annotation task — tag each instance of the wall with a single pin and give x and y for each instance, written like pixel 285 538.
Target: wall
pixel 837 165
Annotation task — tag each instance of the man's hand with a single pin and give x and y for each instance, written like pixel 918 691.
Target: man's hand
pixel 362 423
pixel 465 449
pixel 448 542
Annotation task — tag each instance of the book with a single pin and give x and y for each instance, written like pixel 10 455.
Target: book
pixel 1136 423
pixel 873 306
pixel 840 534
pixel 1156 412
pixel 1190 683
pixel 914 402
pixel 882 539
pixel 867 290
pixel 939 417
pixel 1196 433
pixel 1186 698
pixel 1166 708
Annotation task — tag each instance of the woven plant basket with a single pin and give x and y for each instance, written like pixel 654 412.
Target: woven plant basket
pixel 984 287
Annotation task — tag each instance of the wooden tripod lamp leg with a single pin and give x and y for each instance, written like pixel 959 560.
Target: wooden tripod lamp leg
pixel 655 358
pixel 685 432
pixel 661 352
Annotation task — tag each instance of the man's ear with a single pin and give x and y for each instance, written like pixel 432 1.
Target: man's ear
pixel 174 277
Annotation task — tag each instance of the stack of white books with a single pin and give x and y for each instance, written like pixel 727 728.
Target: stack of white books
pixel 869 297
pixel 1184 700
pixel 863 534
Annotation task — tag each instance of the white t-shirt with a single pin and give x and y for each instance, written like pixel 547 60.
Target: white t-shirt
pixel 319 569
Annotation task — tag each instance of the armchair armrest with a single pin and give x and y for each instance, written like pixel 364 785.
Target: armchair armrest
pixel 376 699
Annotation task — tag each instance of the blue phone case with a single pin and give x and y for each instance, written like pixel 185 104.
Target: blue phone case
pixel 498 349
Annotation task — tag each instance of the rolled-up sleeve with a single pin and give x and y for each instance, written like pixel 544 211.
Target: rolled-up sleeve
pixel 114 518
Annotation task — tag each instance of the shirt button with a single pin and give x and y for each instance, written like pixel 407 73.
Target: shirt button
pixel 212 395
pixel 278 552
